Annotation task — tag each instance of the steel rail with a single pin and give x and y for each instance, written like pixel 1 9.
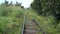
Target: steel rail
pixel 41 29
pixel 23 24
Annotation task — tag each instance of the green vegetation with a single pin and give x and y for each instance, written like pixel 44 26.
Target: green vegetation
pixel 11 19
pixel 48 15
pixel 44 12
pixel 47 8
pixel 46 23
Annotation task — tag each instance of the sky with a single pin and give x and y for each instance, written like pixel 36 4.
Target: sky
pixel 25 3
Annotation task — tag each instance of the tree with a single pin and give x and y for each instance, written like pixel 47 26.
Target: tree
pixel 36 5
pixel 47 7
pixel 6 3
pixel 11 3
pixel 22 6
pixel 18 4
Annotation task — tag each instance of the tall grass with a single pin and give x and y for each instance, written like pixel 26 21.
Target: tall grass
pixel 46 23
pixel 11 19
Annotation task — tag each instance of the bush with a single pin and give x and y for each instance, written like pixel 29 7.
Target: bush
pixel 11 20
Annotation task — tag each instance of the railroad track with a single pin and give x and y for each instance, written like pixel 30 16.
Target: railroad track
pixel 29 27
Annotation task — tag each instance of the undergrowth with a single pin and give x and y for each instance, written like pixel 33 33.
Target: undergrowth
pixel 47 24
pixel 11 20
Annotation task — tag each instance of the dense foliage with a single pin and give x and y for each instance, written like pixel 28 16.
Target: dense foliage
pixel 51 10
pixel 47 24
pixel 11 18
pixel 47 7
